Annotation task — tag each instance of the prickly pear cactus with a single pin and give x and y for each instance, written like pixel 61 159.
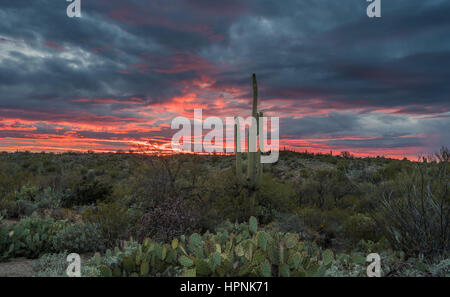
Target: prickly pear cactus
pixel 234 250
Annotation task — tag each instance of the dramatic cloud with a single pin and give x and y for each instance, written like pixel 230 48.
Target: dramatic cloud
pixel 338 79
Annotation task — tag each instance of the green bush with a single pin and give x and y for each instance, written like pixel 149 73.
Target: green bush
pixel 50 265
pixel 48 199
pixel 112 219
pixel 22 208
pixel 360 226
pixel 88 191
pixel 326 224
pixel 312 217
pixel 413 211
pixel 27 193
pixel 28 200
pixel 78 238
pixel 274 197
pixel 8 207
pixel 224 198
pixel 294 224
pixel 22 203
pixel 171 218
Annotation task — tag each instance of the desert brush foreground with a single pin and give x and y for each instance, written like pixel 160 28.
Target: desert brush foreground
pixel 189 215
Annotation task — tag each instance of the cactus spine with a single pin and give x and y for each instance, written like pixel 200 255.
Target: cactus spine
pixel 253 178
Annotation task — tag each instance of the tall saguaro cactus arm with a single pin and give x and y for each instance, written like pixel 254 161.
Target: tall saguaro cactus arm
pixel 255 96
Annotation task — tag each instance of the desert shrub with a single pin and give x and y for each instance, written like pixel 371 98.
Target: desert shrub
pixel 414 211
pixel 78 238
pixel 48 199
pixel 27 193
pixel 393 169
pixel 293 224
pixel 274 197
pixel 316 190
pixel 340 187
pixel 304 173
pixel 370 246
pixel 50 265
pixel 67 214
pixel 8 207
pixel 351 202
pixel 159 178
pixel 88 191
pixel 359 226
pixel 228 207
pixel 311 216
pixel 112 219
pixel 169 219
pixel 225 198
pixel 25 208
pixel 22 203
pixel 28 200
pixel 13 208
pixel 441 269
pixel 318 218
pixel 326 224
pixel 221 197
pixel 8 182
pixel 324 189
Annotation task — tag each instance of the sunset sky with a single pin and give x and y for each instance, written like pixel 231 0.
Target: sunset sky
pixel 118 75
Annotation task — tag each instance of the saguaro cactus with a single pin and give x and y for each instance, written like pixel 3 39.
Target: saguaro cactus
pixel 252 180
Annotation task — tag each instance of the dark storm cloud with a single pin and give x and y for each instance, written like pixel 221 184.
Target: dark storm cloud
pixel 56 68
pixel 388 62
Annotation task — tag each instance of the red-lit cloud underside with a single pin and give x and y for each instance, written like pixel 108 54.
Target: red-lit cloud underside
pixel 132 122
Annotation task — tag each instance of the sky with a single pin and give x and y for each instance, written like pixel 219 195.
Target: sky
pixel 117 76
